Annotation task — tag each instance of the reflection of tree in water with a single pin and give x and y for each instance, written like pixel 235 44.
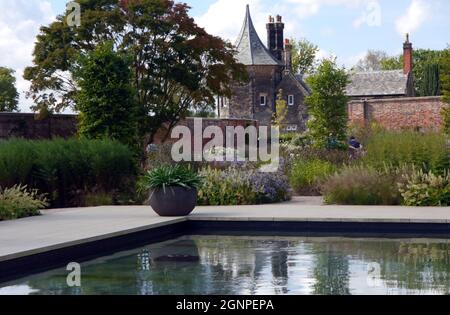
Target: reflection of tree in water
pixel 331 272
pixel 420 267
pixel 280 266
pixel 417 266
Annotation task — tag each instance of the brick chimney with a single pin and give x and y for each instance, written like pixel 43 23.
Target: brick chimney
pixel 407 56
pixel 287 55
pixel 275 36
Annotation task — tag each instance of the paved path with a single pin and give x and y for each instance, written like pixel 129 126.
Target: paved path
pixel 57 229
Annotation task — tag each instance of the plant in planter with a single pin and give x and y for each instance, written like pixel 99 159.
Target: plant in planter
pixel 173 190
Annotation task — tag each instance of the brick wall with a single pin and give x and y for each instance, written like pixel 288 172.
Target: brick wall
pixel 399 113
pixel 26 126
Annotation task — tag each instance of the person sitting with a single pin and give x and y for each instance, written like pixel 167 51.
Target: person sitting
pixel 355 147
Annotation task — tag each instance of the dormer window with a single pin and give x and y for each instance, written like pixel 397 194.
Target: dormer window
pixel 263 100
pixel 291 100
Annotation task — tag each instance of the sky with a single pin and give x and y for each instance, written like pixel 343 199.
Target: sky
pixel 342 28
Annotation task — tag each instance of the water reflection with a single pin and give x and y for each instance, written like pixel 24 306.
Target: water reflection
pixel 260 265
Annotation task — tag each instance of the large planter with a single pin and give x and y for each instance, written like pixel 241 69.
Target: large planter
pixel 174 202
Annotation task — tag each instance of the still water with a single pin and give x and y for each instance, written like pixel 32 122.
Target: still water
pixel 259 265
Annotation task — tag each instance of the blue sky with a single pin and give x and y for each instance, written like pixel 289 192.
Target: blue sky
pixel 343 28
pixel 331 23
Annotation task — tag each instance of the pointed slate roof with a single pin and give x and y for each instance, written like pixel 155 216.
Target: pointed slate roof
pixel 378 83
pixel 250 49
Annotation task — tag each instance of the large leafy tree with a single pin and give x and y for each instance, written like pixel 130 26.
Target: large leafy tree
pixel 106 100
pixel 328 104
pixel 422 58
pixel 304 56
pixel 8 92
pixel 176 64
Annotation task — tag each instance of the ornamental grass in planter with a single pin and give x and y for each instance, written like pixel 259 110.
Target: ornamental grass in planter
pixel 172 188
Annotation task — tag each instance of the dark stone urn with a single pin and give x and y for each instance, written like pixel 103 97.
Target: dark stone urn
pixel 174 202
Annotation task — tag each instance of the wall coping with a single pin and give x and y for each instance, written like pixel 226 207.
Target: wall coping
pixel 398 99
pixel 10 114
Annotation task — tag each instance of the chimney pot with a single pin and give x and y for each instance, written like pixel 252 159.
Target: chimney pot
pixel 407 56
pixel 279 19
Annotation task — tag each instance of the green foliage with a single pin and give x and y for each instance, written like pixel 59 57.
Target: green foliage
pixel 428 151
pixel 97 199
pixel 106 101
pixel 304 55
pixel 176 65
pixel 445 86
pixel 359 185
pixel 431 82
pixel 8 92
pixel 421 58
pixel 65 170
pixel 328 104
pixel 306 175
pixel 426 190
pixel 19 202
pixel 281 110
pixel 168 176
pixel 242 186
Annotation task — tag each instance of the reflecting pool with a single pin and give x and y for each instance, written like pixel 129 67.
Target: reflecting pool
pixel 226 265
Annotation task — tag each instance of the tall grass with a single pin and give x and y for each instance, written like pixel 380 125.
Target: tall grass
pixel 359 185
pixel 66 169
pixel 427 151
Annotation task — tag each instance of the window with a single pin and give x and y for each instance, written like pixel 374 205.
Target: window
pixel 291 100
pixel 263 100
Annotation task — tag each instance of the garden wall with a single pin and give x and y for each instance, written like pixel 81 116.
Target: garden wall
pixel 399 113
pixel 27 126
pixel 189 122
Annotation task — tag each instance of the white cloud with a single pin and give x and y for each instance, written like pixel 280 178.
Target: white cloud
pixel 225 17
pixel 20 21
pixel 418 12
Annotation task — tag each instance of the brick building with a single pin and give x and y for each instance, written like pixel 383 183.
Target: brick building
pixel 270 70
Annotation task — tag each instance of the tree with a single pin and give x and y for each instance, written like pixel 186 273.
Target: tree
pixel 304 55
pixel 372 61
pixel 176 64
pixel 106 101
pixel 421 58
pixel 8 92
pixel 445 85
pixel 431 82
pixel 328 104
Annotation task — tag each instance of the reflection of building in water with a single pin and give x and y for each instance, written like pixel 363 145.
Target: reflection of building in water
pixel 255 265
pixel 144 283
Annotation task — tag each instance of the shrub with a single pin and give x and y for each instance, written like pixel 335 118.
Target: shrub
pixel 426 189
pixel 242 186
pixel 305 175
pixel 364 186
pixel 428 151
pixel 168 176
pixel 19 202
pixel 65 170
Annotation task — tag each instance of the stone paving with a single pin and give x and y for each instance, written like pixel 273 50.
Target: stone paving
pixel 57 229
